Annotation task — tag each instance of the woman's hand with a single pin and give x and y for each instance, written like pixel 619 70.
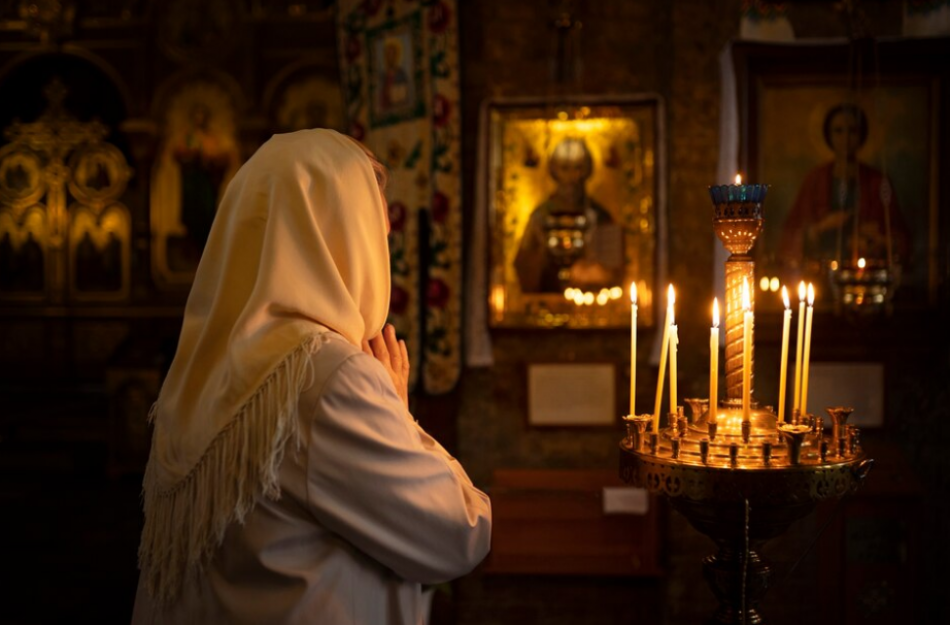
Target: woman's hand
pixel 385 348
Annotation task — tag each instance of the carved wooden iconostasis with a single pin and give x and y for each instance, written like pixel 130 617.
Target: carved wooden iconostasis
pixel 122 121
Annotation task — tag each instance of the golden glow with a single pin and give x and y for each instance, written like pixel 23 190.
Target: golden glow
pixel 580 127
pixel 862 263
pixel 774 284
pixel 633 292
pixel 764 283
pixel 603 297
pixel 811 294
pixel 569 293
pixel 738 178
pixel 498 300
pixel 588 298
pixel 715 312
pixel 785 297
pixel 801 290
pixel 746 297
pixel 616 291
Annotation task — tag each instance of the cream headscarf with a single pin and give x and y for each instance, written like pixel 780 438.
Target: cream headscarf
pixel 298 245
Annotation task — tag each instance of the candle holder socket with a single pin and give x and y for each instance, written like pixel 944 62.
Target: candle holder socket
pixel 636 429
pixel 794 436
pixel 854 439
pixel 839 419
pixel 713 426
pixel 767 453
pixel 697 408
pixel 746 431
pixel 654 442
pixel 823 450
pixel 675 448
pixel 733 454
pixel 704 450
pixel 672 422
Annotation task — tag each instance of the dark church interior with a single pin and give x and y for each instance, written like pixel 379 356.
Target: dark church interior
pixel 123 121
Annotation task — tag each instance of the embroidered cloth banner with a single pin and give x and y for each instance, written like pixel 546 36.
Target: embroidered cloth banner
pixel 399 66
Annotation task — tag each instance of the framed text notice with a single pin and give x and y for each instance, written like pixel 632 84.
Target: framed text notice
pixel 564 395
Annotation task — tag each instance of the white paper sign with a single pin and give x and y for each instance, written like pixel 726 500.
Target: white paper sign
pixel 625 500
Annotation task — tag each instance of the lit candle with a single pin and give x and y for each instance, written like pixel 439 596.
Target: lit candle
pixel 807 357
pixel 786 322
pixel 633 347
pixel 797 399
pixel 714 363
pixel 738 179
pixel 674 339
pixel 746 351
pixel 664 347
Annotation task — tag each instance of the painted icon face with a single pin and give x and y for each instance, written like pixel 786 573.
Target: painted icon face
pixel 845 134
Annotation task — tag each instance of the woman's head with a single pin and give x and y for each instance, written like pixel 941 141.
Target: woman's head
pixel 309 204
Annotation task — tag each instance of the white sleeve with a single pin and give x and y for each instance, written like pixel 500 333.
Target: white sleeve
pixel 378 480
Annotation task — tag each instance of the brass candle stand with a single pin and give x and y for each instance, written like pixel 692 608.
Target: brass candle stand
pixel 741 481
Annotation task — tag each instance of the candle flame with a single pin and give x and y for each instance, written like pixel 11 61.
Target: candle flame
pixel 801 290
pixel 785 297
pixel 862 263
pixel 633 292
pixel 715 312
pixel 811 294
pixel 670 299
pixel 746 298
pixel 738 178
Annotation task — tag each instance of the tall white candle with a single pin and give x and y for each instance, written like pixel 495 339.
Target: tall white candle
pixel 797 398
pixel 674 339
pixel 807 357
pixel 746 352
pixel 714 363
pixel 664 347
pixel 786 322
pixel 633 348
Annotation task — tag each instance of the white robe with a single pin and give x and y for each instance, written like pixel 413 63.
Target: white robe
pixel 371 507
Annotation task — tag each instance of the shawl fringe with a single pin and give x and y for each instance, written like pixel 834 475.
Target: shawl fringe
pixel 184 524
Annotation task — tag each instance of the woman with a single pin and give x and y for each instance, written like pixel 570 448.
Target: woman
pixel 287 481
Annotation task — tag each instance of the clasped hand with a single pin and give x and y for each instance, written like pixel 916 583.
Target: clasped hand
pixel 394 356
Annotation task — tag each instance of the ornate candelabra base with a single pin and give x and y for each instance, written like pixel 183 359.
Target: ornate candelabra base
pixel 739 503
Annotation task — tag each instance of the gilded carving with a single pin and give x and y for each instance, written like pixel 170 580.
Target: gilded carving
pixel 63 230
